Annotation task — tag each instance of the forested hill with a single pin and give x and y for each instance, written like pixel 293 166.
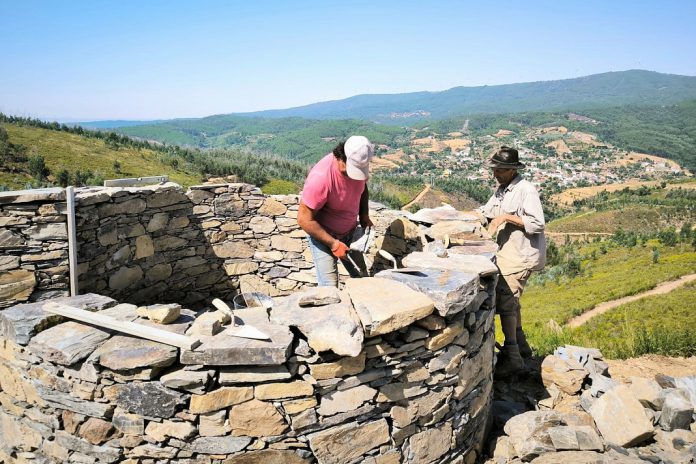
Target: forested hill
pixel 597 90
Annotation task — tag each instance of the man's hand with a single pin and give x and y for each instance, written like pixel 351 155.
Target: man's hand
pixel 365 221
pixel 496 223
pixel 339 249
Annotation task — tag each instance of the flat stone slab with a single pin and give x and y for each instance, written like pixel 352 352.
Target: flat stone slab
pixel 621 418
pixel 236 375
pixel 334 327
pixel 385 305
pixel 455 262
pixel 451 291
pixel 21 322
pixel 28 196
pixel 58 400
pixel 224 349
pixel 442 213
pixel 67 343
pixel 150 399
pixel 485 248
pixel 124 353
pixel 457 231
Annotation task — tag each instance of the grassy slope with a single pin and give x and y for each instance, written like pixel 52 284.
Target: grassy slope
pixel 70 151
pixel 618 273
pixel 664 324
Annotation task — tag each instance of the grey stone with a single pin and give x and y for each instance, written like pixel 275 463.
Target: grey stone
pixel 676 410
pixel 232 376
pixel 440 214
pixel 601 384
pixel 60 400
pixel 688 384
pixel 348 442
pixel 219 445
pixel 9 262
pixel 125 277
pixel 224 349
pixel 345 400
pixel 16 285
pixel 9 239
pixel 105 453
pixel 620 417
pixel 128 424
pixel 648 392
pixel 474 264
pixel 190 381
pixel 529 433
pixel 150 399
pixel 51 231
pixel 124 353
pixel 451 291
pixel 334 327
pixel 582 437
pixel 67 343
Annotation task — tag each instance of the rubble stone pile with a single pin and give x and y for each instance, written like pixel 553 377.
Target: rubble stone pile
pixel 582 415
pixel 395 368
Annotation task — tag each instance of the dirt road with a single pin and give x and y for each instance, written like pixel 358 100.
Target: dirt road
pixel 417 199
pixel 660 289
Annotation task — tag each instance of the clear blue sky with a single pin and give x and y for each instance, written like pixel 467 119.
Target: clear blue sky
pixel 146 59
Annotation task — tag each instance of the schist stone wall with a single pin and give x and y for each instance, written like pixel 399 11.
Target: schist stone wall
pixel 161 244
pixel 33 246
pixel 395 368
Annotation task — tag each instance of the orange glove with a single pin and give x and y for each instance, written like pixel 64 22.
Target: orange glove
pixel 339 249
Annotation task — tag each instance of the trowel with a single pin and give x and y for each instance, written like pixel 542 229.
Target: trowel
pixel 403 270
pixel 242 331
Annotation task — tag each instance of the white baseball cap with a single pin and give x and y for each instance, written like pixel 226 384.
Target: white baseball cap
pixel 359 151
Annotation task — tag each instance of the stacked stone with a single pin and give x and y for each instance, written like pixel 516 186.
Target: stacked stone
pixel 586 416
pixel 33 246
pixel 378 373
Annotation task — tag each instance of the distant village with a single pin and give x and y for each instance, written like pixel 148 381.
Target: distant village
pixel 556 158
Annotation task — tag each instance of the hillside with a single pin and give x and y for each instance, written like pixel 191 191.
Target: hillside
pixel 606 89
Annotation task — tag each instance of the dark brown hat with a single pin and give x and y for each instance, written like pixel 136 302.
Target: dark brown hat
pixel 506 158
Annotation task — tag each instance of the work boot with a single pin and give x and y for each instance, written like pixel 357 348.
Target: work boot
pixel 509 362
pixel 525 349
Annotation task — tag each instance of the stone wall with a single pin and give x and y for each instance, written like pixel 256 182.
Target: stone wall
pixel 33 246
pixel 378 373
pixel 159 244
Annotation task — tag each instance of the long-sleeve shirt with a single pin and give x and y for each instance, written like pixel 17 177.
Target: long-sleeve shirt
pixel 520 248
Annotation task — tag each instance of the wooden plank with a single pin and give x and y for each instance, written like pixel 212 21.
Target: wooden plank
pixel 130 328
pixel 72 241
pixel 136 181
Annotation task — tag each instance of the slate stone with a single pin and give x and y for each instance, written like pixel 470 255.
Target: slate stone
pixel 345 443
pixel 231 376
pixel 67 343
pixel 225 349
pixel 105 453
pixel 16 285
pixel 334 327
pixel 59 400
pixel 150 399
pixel 439 214
pixel 529 432
pixel 676 410
pixel 620 417
pixel 122 352
pixel 451 291
pixel 219 445
pixel 474 264
pixel 190 381
pixel 385 305
pixel 21 322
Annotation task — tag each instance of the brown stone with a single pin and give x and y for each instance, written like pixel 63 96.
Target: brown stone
pixel 445 336
pixel 272 207
pixel 345 400
pixel 340 368
pixel 268 456
pixel 67 343
pixel 96 431
pixel 144 247
pixel 233 249
pixel 160 431
pixel 285 243
pixel 16 285
pixel 348 442
pixel 256 419
pixel 429 445
pixel 213 424
pixel 278 390
pixel 123 353
pixel 220 399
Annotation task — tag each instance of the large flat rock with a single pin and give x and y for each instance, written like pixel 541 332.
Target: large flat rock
pixel 442 213
pixel 385 305
pixel 150 399
pixel 124 353
pixel 348 442
pixel 335 327
pixel 21 322
pixel 224 349
pixel 451 291
pixel 477 264
pixel 621 418
pixel 67 343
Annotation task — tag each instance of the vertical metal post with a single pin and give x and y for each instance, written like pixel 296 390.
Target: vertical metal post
pixel 72 240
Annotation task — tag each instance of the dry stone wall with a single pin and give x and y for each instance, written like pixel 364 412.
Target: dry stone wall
pixel 33 246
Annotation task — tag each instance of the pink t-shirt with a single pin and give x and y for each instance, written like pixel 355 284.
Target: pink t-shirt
pixel 335 197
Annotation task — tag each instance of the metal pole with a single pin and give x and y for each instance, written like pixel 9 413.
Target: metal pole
pixel 72 240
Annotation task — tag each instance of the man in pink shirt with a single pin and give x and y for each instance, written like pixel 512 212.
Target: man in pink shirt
pixel 334 196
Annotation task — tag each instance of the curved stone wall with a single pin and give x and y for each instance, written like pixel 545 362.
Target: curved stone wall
pixel 395 368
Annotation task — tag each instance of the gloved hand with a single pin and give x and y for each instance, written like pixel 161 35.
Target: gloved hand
pixel 339 249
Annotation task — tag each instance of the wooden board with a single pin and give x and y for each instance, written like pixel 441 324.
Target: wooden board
pixel 131 328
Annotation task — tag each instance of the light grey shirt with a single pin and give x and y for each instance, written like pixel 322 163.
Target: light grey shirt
pixel 520 248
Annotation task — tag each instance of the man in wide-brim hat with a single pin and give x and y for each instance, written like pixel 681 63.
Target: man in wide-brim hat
pixel 514 212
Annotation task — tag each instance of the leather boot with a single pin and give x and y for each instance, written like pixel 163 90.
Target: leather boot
pixel 509 362
pixel 525 349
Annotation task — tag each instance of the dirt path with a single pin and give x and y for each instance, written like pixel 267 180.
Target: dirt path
pixel 418 197
pixel 649 365
pixel 660 289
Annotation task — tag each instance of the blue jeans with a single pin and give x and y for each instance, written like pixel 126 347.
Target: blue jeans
pixel 326 263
